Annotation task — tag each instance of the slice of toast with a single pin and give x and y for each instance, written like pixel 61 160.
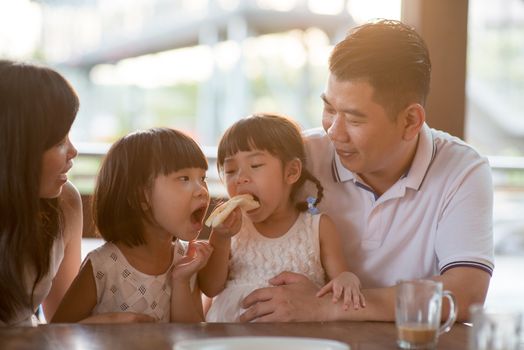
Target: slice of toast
pixel 244 201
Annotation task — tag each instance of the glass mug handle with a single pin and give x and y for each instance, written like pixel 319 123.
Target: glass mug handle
pixel 452 312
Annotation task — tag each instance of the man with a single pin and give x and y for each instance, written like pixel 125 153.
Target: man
pixel 409 201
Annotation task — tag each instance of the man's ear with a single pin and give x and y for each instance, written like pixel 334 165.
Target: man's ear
pixel 292 171
pixel 413 118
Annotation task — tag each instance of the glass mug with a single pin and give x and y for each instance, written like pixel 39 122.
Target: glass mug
pixel 417 313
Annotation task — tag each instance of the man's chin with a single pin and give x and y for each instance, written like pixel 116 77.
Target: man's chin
pixel 350 164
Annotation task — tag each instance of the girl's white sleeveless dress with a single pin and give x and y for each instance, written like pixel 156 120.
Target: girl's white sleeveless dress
pixel 255 259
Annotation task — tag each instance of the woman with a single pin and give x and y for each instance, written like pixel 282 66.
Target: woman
pixel 40 211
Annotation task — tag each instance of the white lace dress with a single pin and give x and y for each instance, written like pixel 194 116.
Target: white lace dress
pixel 255 259
pixel 122 288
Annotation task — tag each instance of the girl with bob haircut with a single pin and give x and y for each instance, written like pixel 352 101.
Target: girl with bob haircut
pixel 150 194
pixel 263 155
pixel 40 211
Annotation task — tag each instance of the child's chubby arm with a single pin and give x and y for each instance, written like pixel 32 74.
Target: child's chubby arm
pixel 186 302
pixel 80 300
pixel 343 284
pixel 212 278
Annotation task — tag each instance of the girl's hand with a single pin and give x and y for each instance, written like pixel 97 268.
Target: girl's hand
pixel 230 226
pixel 346 285
pixel 197 255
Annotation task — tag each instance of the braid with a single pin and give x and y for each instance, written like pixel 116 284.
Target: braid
pixel 320 189
pixel 303 206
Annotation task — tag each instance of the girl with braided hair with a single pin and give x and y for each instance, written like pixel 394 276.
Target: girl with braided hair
pixel 263 156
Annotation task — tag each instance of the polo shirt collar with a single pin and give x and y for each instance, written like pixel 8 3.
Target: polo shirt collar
pixel 426 150
pixel 340 173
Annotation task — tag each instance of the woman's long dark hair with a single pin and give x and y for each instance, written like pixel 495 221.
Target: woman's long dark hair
pixel 37 109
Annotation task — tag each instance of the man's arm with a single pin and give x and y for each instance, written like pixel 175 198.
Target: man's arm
pixel 294 299
pixel 468 284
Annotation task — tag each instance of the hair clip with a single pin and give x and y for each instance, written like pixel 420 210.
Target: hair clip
pixel 311 208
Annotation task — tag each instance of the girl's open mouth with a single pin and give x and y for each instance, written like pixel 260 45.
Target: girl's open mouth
pixel 198 215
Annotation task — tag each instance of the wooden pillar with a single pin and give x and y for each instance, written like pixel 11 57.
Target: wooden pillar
pixel 443 25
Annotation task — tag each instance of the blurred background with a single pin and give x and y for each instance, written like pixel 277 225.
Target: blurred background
pixel 199 65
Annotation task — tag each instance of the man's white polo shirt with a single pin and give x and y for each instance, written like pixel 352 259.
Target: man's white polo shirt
pixel 436 217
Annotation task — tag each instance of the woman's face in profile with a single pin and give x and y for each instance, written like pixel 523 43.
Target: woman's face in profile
pixel 56 162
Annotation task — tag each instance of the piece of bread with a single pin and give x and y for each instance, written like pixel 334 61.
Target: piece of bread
pixel 244 201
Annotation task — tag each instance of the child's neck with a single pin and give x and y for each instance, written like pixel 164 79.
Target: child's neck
pixel 152 258
pixel 278 223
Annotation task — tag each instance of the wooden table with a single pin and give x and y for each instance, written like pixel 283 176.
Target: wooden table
pixel 359 335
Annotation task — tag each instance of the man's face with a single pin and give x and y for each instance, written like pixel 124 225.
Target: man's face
pixel 368 141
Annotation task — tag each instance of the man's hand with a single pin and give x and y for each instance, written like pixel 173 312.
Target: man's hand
pixel 292 298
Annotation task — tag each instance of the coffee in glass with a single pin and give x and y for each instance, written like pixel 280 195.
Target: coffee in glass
pixel 417 313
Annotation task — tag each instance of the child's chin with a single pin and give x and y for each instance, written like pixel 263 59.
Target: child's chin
pixel 193 231
pixel 255 217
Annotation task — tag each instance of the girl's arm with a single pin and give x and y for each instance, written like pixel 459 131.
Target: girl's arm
pixel 343 284
pixel 71 206
pixel 80 299
pixel 186 301
pixel 186 304
pixel 331 253
pixel 212 278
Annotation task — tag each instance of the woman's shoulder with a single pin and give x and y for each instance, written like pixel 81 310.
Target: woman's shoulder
pixel 70 199
pixel 71 205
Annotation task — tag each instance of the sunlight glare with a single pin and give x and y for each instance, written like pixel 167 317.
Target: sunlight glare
pixel 227 54
pixel 292 50
pixel 162 69
pixel 20 23
pixel 277 5
pixel 365 10
pixel 326 7
pixel 229 5
pixel 318 46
